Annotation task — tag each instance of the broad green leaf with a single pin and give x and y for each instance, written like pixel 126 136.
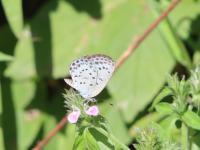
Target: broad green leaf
pixel 133 86
pixel 191 119
pixel 164 108
pixel 5 57
pixel 162 94
pixel 14 15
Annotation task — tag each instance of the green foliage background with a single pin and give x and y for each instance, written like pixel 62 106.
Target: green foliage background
pixel 40 38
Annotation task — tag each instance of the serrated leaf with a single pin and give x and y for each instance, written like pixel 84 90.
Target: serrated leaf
pixel 191 119
pixel 164 108
pixel 5 57
pixel 14 14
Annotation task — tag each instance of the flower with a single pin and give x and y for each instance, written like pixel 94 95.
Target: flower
pixel 73 116
pixel 92 111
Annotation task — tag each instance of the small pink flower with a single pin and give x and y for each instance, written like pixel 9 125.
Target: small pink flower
pixel 92 111
pixel 73 116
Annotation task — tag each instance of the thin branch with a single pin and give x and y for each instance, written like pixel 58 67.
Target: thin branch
pixel 120 61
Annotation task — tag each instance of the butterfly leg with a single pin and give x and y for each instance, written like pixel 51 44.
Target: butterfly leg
pixel 90 100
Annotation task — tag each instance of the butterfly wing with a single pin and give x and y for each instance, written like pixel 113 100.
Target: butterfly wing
pixel 83 76
pixel 104 67
pixel 90 74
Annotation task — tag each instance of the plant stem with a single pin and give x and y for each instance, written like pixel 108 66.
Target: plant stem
pixel 185 137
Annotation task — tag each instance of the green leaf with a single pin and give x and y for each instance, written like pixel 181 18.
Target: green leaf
pixel 162 94
pixel 64 139
pixel 1 129
pixel 5 57
pixel 164 108
pixel 176 46
pixel 85 140
pixel 185 27
pixel 169 126
pixel 90 142
pixel 133 86
pixel 57 42
pixel 196 138
pixel 24 123
pixel 115 120
pixel 14 14
pixel 191 119
pixel 108 140
pixel 24 54
pixel 184 137
pixel 102 138
pixel 79 143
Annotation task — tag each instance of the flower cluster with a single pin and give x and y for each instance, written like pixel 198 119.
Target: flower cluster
pixel 75 114
pixel 78 107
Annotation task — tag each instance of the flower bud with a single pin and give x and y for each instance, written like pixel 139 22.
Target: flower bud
pixel 73 116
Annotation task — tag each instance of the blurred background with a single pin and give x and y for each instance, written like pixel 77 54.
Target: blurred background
pixel 40 38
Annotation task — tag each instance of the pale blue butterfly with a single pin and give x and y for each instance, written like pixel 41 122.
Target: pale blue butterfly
pixel 90 74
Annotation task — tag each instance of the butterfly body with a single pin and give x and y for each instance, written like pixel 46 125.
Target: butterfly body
pixel 90 74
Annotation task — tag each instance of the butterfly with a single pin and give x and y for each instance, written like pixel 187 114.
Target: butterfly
pixel 90 74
